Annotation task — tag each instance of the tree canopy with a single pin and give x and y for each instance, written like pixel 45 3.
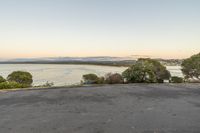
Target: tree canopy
pixel 191 67
pixel 92 79
pixel 20 77
pixel 146 70
pixel 2 79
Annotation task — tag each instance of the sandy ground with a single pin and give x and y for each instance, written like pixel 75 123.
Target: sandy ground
pixel 133 108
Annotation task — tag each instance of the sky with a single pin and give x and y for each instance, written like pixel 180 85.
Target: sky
pixel 80 28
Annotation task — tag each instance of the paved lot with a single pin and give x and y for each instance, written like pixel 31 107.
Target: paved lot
pixel 134 108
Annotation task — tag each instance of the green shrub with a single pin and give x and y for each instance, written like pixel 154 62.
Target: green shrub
pixel 24 78
pixel 191 67
pixel 101 80
pixel 11 85
pixel 113 78
pixel 139 74
pixel 2 79
pixel 92 79
pixel 176 79
pixel 47 84
pixel 146 71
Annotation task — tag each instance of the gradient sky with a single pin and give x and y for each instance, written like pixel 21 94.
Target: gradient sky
pixel 48 28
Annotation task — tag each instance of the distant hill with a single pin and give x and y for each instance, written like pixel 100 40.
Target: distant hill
pixel 99 60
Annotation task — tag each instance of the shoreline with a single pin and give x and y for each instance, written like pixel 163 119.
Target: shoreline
pixel 84 63
pixel 68 64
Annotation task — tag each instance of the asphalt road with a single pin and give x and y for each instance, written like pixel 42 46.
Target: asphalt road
pixel 133 108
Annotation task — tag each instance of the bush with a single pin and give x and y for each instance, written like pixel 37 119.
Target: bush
pixel 11 85
pixel 159 70
pixel 176 79
pixel 146 71
pixel 48 84
pixel 139 74
pixel 191 67
pixel 92 79
pixel 24 78
pixel 101 80
pixel 2 79
pixel 113 78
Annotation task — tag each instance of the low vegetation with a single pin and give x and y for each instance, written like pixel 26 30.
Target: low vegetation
pixel 2 79
pixel 11 85
pixel 47 84
pixel 176 79
pixel 17 79
pixel 191 68
pixel 115 78
pixel 92 79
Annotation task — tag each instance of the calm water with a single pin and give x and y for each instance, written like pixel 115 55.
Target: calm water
pixel 65 74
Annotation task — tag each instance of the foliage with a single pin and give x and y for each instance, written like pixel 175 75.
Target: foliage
pixel 2 79
pixel 21 77
pixel 191 67
pixel 115 78
pixel 176 79
pixel 101 80
pixel 11 85
pixel 160 70
pixel 48 84
pixel 92 79
pixel 139 73
pixel 146 71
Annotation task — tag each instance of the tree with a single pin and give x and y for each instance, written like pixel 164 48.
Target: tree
pixel 146 70
pixel 139 73
pixel 92 79
pixel 20 77
pixel 2 79
pixel 191 67
pixel 115 78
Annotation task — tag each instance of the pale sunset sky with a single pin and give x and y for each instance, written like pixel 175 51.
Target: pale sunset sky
pixel 55 28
